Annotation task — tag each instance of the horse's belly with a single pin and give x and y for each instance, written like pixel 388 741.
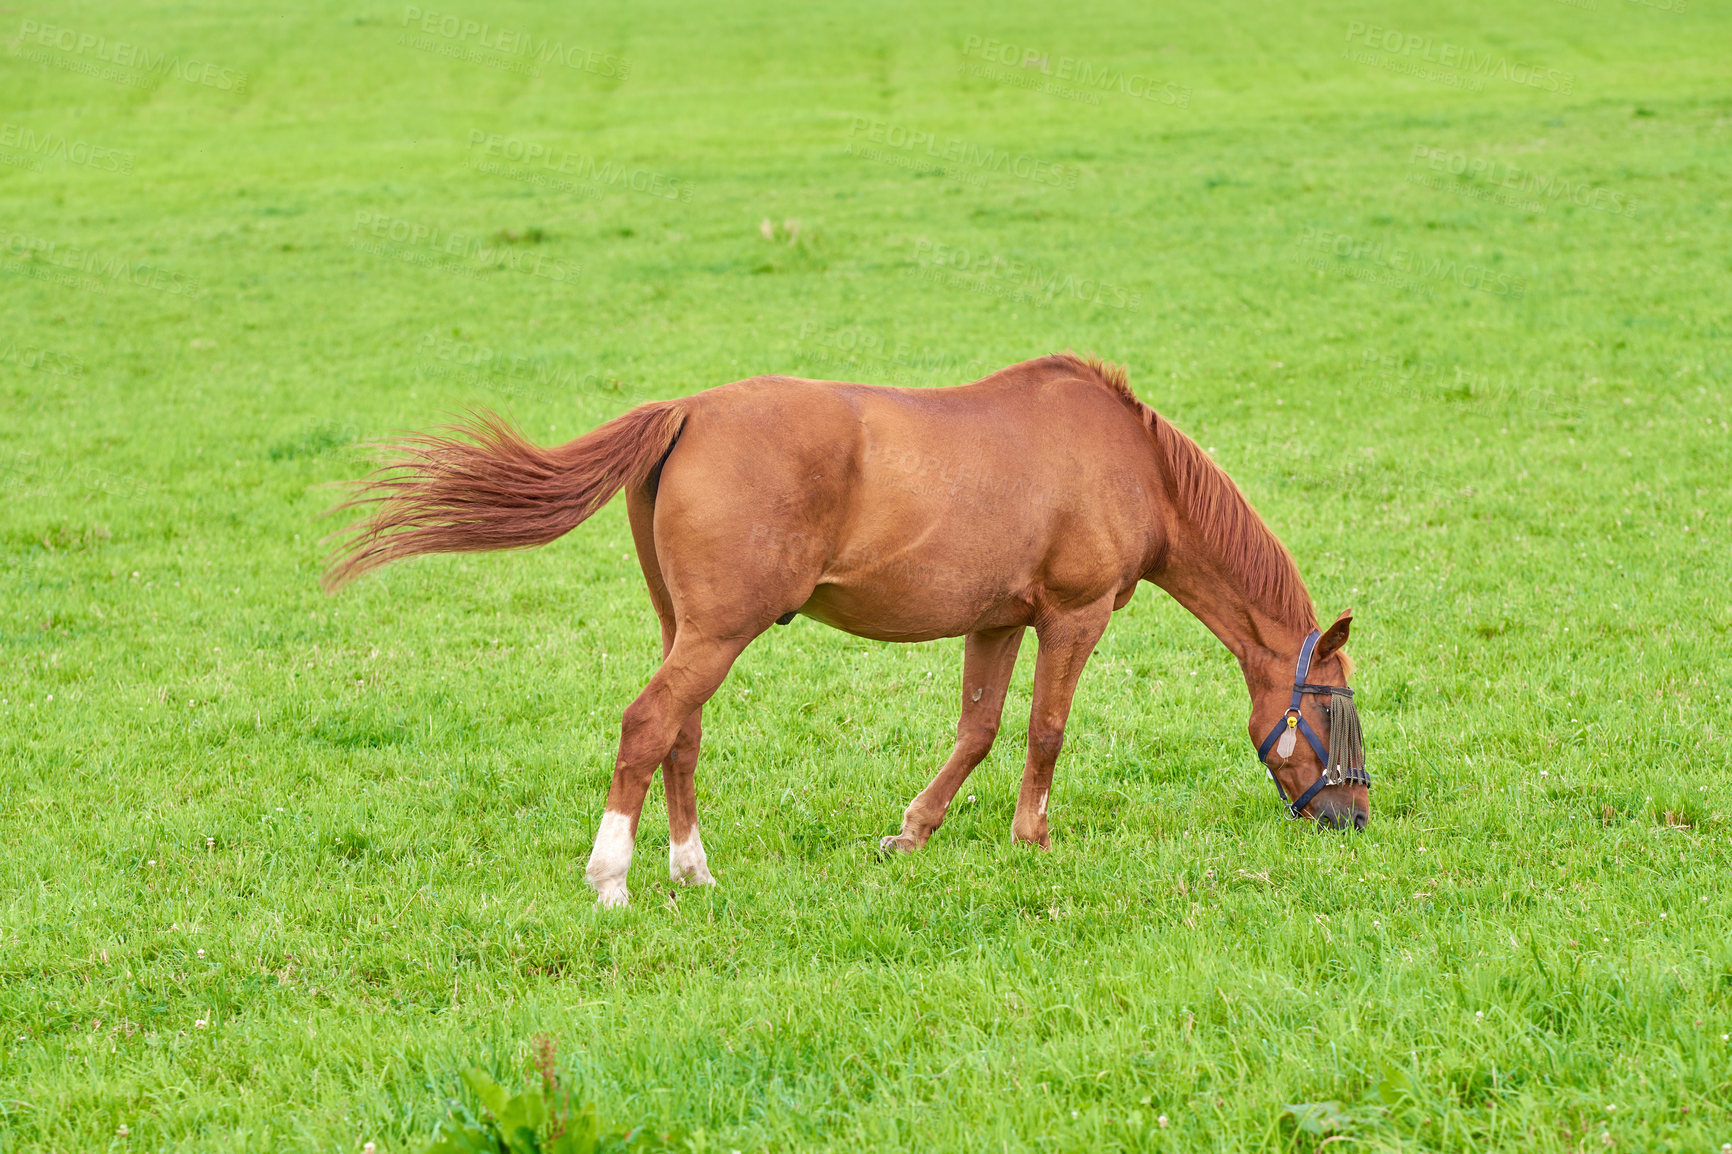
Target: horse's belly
pixel 913 602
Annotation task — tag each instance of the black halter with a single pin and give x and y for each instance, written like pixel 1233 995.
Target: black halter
pixel 1338 774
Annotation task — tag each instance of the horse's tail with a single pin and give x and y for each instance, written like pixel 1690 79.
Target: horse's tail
pixel 480 485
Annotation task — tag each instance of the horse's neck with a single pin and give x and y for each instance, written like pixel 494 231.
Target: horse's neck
pixel 1257 637
pixel 1221 562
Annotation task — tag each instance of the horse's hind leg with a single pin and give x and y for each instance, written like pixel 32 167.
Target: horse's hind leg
pixel 694 668
pixel 722 588
pixel 988 659
pixel 686 860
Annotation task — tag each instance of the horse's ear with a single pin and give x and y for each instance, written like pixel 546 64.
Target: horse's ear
pixel 1334 637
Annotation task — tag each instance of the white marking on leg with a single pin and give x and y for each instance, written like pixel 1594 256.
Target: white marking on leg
pixel 1041 808
pixel 610 860
pixel 686 861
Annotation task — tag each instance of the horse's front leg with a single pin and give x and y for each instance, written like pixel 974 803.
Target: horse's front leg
pixel 1066 641
pixel 987 662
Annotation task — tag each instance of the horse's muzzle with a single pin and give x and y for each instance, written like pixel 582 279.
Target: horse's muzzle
pixel 1340 812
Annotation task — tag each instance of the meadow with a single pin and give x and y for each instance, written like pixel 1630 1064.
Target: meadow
pixel 1445 291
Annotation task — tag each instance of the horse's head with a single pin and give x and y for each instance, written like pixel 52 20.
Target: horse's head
pixel 1307 732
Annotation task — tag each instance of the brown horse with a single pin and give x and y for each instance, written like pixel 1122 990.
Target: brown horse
pixel 1038 496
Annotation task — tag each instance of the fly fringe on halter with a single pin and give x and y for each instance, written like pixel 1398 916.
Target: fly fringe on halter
pixel 480 485
pixel 1346 744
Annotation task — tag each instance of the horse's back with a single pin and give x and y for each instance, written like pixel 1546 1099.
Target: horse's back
pixel 905 513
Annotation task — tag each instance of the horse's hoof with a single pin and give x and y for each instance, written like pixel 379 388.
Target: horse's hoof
pixel 612 897
pixel 895 844
pixel 698 878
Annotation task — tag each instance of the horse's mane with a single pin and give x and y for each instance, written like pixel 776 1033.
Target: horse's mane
pixel 1209 500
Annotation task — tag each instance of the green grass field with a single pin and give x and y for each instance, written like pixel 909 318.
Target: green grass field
pixel 1447 294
